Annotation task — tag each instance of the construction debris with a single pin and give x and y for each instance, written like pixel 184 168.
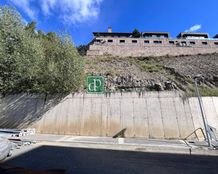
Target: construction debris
pixel 7 133
pixel 9 140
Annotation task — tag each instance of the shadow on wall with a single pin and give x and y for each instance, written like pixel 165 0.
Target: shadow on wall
pixel 22 110
pixel 97 161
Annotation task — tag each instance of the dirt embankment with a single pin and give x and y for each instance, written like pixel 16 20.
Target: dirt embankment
pixel 156 73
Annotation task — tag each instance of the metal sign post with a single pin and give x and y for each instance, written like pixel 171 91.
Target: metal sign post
pixel 202 113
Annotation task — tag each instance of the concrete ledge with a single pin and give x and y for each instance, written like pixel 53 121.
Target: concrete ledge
pixel 129 144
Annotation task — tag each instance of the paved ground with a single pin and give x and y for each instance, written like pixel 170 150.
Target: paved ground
pixel 94 155
pixel 96 161
pixel 132 144
pixel 102 140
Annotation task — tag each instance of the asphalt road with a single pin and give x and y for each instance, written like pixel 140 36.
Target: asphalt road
pixel 94 161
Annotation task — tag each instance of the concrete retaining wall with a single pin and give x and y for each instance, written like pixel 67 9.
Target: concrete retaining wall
pixel 151 49
pixel 136 51
pixel 149 115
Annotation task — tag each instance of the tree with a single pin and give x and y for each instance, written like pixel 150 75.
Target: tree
pixel 136 33
pixel 19 53
pixel 63 66
pixel 82 49
pixel 32 61
pixel 31 29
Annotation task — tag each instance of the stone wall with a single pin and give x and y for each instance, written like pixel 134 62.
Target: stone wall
pixel 148 115
pixel 102 46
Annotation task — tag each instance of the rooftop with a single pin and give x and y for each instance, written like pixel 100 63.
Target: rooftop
pixel 153 34
pixel 190 34
pixel 130 34
pixel 157 34
pixel 216 36
pixel 111 34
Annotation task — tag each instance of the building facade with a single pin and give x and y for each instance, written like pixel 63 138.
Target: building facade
pixel 151 44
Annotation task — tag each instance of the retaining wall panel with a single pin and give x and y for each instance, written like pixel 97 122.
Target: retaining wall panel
pixel 148 115
pixel 156 129
pixel 169 116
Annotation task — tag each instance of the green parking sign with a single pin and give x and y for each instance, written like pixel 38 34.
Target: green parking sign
pixel 95 84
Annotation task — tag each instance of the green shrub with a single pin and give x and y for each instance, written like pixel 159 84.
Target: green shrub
pixel 32 61
pixel 149 67
pixel 136 33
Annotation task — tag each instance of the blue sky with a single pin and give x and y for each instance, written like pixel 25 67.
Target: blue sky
pixel 81 17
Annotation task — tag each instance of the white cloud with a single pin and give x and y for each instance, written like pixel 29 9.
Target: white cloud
pixel 47 6
pixel 72 11
pixel 25 6
pixel 194 28
pixel 69 11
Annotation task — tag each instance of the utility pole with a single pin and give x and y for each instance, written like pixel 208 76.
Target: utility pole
pixel 202 112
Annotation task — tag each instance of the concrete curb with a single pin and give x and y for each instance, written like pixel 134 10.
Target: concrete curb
pixel 135 148
pixel 133 144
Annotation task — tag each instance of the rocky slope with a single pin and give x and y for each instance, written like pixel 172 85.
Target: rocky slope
pixel 156 73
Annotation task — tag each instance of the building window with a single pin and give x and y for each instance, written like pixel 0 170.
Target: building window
pixel 192 43
pixel 204 43
pixel 146 41
pixel 122 41
pixel 134 41
pixel 215 43
pixel 98 40
pixel 171 42
pixel 183 43
pixel 157 42
pixel 162 36
pixel 110 40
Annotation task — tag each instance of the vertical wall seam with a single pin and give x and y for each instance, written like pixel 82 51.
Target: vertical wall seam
pixel 214 106
pixel 133 116
pixel 177 118
pixel 192 116
pixel 161 113
pixel 148 127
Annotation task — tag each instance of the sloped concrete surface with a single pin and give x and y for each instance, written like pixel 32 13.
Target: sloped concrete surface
pixel 5 148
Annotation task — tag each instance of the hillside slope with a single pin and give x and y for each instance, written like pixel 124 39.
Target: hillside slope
pixel 157 73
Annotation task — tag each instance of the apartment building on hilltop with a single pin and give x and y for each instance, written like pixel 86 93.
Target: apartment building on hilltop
pixel 151 44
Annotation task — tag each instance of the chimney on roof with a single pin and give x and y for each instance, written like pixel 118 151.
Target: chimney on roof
pixel 109 30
